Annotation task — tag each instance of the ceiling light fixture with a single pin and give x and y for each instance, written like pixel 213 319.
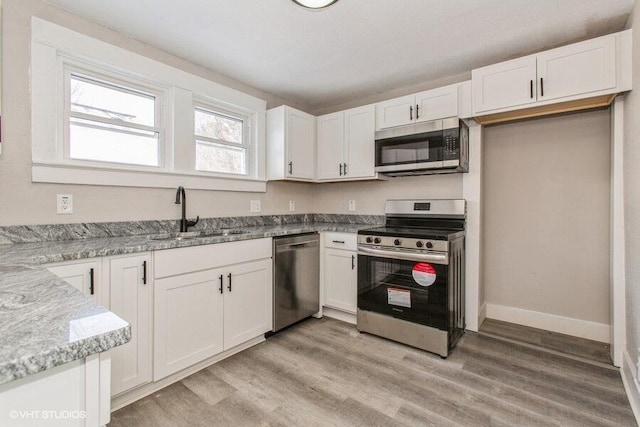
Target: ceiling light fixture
pixel 315 4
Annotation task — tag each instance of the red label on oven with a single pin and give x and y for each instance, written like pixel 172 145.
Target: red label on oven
pixel 424 274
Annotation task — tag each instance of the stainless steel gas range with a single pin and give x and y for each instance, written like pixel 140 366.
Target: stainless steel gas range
pixel 411 274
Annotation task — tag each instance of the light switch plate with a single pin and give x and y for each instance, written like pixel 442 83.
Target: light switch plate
pixel 352 205
pixel 64 204
pixel 255 206
pixel 292 205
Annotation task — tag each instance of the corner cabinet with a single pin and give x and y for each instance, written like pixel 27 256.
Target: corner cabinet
pixel 346 145
pixel 83 275
pixel 340 272
pixel 209 299
pixel 129 296
pixel 291 142
pixel 592 68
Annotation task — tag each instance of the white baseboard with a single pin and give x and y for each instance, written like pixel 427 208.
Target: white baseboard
pixel 550 322
pixel 340 315
pixel 482 314
pixel 631 385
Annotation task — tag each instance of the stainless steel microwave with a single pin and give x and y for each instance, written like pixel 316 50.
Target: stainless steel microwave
pixel 438 146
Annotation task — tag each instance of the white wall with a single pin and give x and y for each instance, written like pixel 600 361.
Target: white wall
pixel 27 203
pixel 546 217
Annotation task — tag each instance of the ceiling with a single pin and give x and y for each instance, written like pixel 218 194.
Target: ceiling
pixel 355 48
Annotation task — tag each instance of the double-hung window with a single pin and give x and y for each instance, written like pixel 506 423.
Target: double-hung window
pixel 221 141
pixel 111 121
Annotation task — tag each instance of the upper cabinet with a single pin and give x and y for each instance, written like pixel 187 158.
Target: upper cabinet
pixel 291 139
pixel 421 107
pixel 346 144
pixel 582 70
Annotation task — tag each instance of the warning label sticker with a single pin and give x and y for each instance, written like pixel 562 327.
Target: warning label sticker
pixel 424 274
pixel 399 297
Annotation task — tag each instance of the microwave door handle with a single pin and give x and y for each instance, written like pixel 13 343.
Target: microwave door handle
pixel 407 256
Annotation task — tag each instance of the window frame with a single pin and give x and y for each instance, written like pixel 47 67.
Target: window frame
pixel 232 113
pixel 126 84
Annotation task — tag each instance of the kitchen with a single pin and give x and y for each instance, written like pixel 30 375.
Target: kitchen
pixel 31 203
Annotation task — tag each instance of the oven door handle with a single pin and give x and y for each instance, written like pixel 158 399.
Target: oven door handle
pixel 407 256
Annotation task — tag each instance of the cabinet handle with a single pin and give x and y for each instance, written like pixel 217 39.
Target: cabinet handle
pixel 290 168
pixel 531 88
pixel 91 281
pixel 221 289
pixel 340 169
pixel 144 272
pixel 338 241
pixel 229 276
pixel 541 86
pixel 345 168
pixel 410 112
pixel 353 262
pixel 417 112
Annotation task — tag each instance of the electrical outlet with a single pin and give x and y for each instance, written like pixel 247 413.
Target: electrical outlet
pixel 292 205
pixel 255 206
pixel 352 205
pixel 65 204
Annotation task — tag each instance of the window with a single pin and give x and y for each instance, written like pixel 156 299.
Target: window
pixel 220 142
pixel 111 122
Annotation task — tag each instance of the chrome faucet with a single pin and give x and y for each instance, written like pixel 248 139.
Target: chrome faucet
pixel 181 196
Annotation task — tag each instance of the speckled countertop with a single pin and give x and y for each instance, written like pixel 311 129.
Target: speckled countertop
pixel 45 322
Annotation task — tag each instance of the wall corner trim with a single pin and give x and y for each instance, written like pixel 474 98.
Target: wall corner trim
pixel 631 385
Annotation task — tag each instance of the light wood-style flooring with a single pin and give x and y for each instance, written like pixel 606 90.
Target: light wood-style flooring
pixel 323 372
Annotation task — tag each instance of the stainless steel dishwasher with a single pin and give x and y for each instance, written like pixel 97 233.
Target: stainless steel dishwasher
pixel 296 278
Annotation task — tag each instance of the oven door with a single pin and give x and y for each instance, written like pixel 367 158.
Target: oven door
pixel 411 287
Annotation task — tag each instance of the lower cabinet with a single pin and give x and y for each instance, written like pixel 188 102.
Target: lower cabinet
pixel 340 271
pixel 129 296
pixel 83 275
pixel 200 314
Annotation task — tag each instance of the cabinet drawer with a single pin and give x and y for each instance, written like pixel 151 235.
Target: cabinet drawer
pixel 170 262
pixel 346 241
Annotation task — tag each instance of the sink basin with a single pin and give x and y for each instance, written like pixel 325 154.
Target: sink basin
pixel 195 234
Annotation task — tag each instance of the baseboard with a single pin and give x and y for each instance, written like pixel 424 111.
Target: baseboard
pixel 631 385
pixel 131 396
pixel 482 314
pixel 550 322
pixel 340 315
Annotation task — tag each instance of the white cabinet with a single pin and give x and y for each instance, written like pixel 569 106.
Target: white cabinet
pixel 83 275
pixel 129 296
pixel 432 104
pixel 581 70
pixel 346 146
pixel 291 137
pixel 340 272
pixel 209 299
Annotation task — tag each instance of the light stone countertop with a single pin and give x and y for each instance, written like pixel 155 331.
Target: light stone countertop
pixel 45 322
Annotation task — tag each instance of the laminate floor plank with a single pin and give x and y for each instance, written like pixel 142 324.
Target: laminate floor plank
pixel 323 372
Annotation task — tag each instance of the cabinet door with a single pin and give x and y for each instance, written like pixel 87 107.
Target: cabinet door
pixel 395 112
pixel 130 298
pixel 360 142
pixel 577 69
pixel 248 302
pixel 188 315
pixel 437 103
pixel 84 276
pixel 301 134
pixel 507 84
pixel 330 144
pixel 340 280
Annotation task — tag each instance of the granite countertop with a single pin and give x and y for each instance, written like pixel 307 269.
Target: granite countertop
pixel 45 322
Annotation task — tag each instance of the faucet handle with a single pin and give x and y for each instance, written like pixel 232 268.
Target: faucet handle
pixel 192 223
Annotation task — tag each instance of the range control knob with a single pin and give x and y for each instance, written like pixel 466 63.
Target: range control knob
pixel 419 244
pixel 429 245
pixel 397 242
pixel 377 240
pixel 369 239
